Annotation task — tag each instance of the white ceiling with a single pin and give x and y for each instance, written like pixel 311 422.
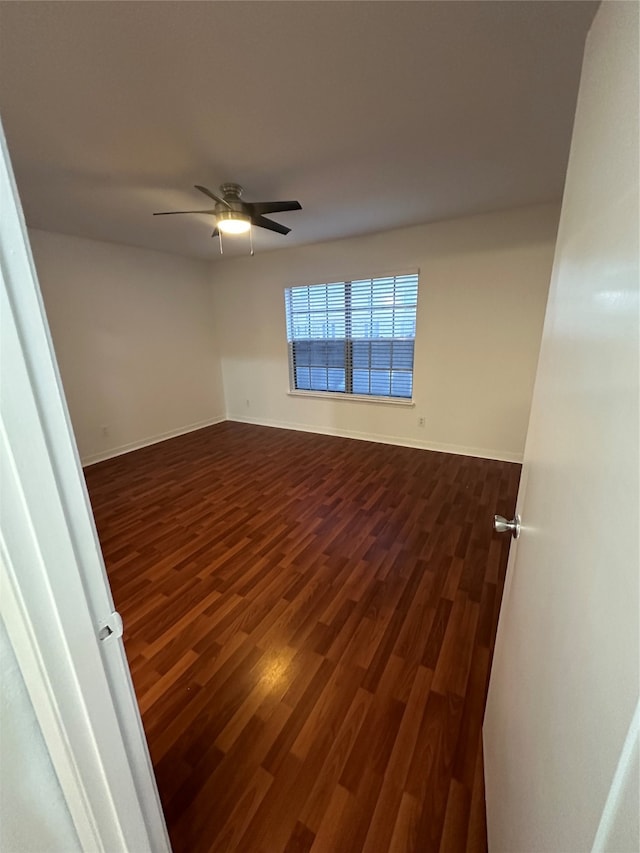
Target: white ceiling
pixel 374 115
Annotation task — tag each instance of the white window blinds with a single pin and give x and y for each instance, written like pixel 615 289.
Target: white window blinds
pixel 353 337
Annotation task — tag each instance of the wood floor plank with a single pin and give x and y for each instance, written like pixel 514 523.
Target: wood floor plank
pixel 477 830
pixel 321 793
pixel 309 622
pixel 454 660
pixel 243 812
pixel 456 819
pixel 395 775
pixel 404 836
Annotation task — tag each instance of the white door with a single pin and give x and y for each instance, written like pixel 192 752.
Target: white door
pixel 55 598
pixel 561 724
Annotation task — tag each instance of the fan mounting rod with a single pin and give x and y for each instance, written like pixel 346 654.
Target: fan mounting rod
pixel 231 189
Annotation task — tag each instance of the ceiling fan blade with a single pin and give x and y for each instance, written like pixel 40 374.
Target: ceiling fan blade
pixel 259 207
pixel 173 212
pixel 211 195
pixel 269 224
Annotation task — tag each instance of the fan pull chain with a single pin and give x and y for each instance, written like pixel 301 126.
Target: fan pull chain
pixel 220 238
pixel 251 239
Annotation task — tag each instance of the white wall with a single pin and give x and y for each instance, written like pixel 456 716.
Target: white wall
pixel 134 341
pixel 33 813
pixel 140 351
pixel 483 290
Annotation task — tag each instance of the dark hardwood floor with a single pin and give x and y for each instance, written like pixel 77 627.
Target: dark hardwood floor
pixel 310 623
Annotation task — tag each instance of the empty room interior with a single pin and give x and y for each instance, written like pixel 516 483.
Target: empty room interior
pixel 299 395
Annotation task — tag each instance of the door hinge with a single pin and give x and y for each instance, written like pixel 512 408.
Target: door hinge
pixel 110 628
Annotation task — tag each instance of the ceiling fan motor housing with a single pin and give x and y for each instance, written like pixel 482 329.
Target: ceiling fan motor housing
pixel 231 194
pixel 232 191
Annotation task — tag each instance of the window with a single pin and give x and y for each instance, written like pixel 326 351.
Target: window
pixel 353 337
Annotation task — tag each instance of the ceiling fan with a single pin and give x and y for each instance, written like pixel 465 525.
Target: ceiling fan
pixel 234 216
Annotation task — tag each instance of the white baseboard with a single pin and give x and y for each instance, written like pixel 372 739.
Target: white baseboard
pixel 479 452
pixel 145 442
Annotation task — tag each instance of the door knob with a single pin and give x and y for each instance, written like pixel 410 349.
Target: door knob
pixel 501 525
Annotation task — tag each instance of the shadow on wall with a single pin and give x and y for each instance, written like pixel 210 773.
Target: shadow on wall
pixel 33 812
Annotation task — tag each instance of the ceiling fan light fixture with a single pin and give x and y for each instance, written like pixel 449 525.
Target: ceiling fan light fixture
pixel 234 216
pixel 233 222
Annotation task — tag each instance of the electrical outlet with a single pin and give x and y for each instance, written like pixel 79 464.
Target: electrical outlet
pixel 420 422
pixel 248 404
pixel 105 431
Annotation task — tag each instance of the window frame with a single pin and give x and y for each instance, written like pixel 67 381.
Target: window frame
pixel 349 341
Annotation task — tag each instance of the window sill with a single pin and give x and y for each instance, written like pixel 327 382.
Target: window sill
pixel 353 398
